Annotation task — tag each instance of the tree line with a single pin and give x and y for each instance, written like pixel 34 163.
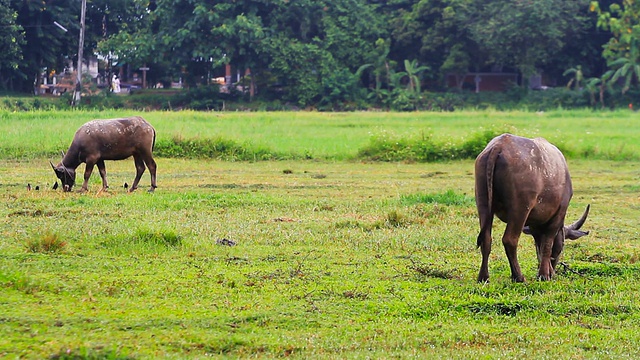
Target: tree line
pixel 323 53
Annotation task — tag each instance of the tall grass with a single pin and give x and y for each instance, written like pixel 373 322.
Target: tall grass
pixel 335 136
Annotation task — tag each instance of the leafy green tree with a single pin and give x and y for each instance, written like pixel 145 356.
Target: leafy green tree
pixel 10 40
pixel 524 33
pixel 459 63
pixel 627 67
pixel 197 37
pixel 623 49
pixel 336 36
pixel 133 36
pixel 296 43
pixel 109 26
pixel 436 33
pixel 299 67
pixel 343 90
pixel 583 45
pixel 45 46
pixel 382 71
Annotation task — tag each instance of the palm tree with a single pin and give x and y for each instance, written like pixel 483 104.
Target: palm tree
pixel 577 79
pixel 413 70
pixel 627 67
pixel 593 85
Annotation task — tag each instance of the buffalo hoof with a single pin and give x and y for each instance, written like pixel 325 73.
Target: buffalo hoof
pixel 518 279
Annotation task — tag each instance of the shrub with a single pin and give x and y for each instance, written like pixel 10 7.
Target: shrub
pixel 157 237
pixel 201 98
pixel 47 243
pixel 395 219
pixel 474 146
pixel 387 148
pixel 216 148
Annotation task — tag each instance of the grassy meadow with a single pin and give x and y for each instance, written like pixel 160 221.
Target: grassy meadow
pixel 318 256
pixel 336 136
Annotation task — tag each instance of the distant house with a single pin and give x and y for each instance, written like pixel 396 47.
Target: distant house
pixel 58 84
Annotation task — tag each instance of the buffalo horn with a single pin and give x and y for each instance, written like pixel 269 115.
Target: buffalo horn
pixel 578 224
pixel 53 166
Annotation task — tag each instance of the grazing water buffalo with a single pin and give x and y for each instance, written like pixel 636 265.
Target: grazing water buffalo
pixel 526 183
pixel 100 140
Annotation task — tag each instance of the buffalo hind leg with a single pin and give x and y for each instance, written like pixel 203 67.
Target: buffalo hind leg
pixel 151 164
pixel 139 171
pixel 484 242
pixel 103 174
pixel 510 242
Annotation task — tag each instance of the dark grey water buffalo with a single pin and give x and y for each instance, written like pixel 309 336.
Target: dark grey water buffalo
pixel 114 139
pixel 526 183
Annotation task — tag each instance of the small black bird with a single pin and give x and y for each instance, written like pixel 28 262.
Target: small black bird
pixel 126 185
pixel 37 187
pixel 28 187
pixel 226 242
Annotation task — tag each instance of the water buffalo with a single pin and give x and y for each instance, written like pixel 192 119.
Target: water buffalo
pixel 526 183
pixel 114 139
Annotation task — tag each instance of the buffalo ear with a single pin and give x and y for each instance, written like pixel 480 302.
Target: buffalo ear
pixel 573 234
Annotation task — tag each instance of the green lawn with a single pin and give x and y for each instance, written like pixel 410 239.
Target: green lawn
pixel 333 258
pixel 337 136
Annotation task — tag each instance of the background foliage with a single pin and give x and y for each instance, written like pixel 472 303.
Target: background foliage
pixel 332 55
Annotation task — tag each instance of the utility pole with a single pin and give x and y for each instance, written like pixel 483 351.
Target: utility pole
pixel 76 93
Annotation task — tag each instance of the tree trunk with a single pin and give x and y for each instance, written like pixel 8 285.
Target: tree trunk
pixel 252 83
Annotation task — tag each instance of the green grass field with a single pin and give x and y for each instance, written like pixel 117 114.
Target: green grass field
pixel 333 258
pixel 337 136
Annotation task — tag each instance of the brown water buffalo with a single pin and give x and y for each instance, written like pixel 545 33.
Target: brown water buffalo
pixel 114 139
pixel 526 183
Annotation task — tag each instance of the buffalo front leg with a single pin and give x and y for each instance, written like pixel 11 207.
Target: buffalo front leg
pixel 87 174
pixel 556 251
pixel 545 267
pixel 139 171
pixel 103 174
pixel 510 242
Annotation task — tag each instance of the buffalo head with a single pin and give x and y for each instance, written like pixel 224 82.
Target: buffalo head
pixel 67 176
pixel 571 232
